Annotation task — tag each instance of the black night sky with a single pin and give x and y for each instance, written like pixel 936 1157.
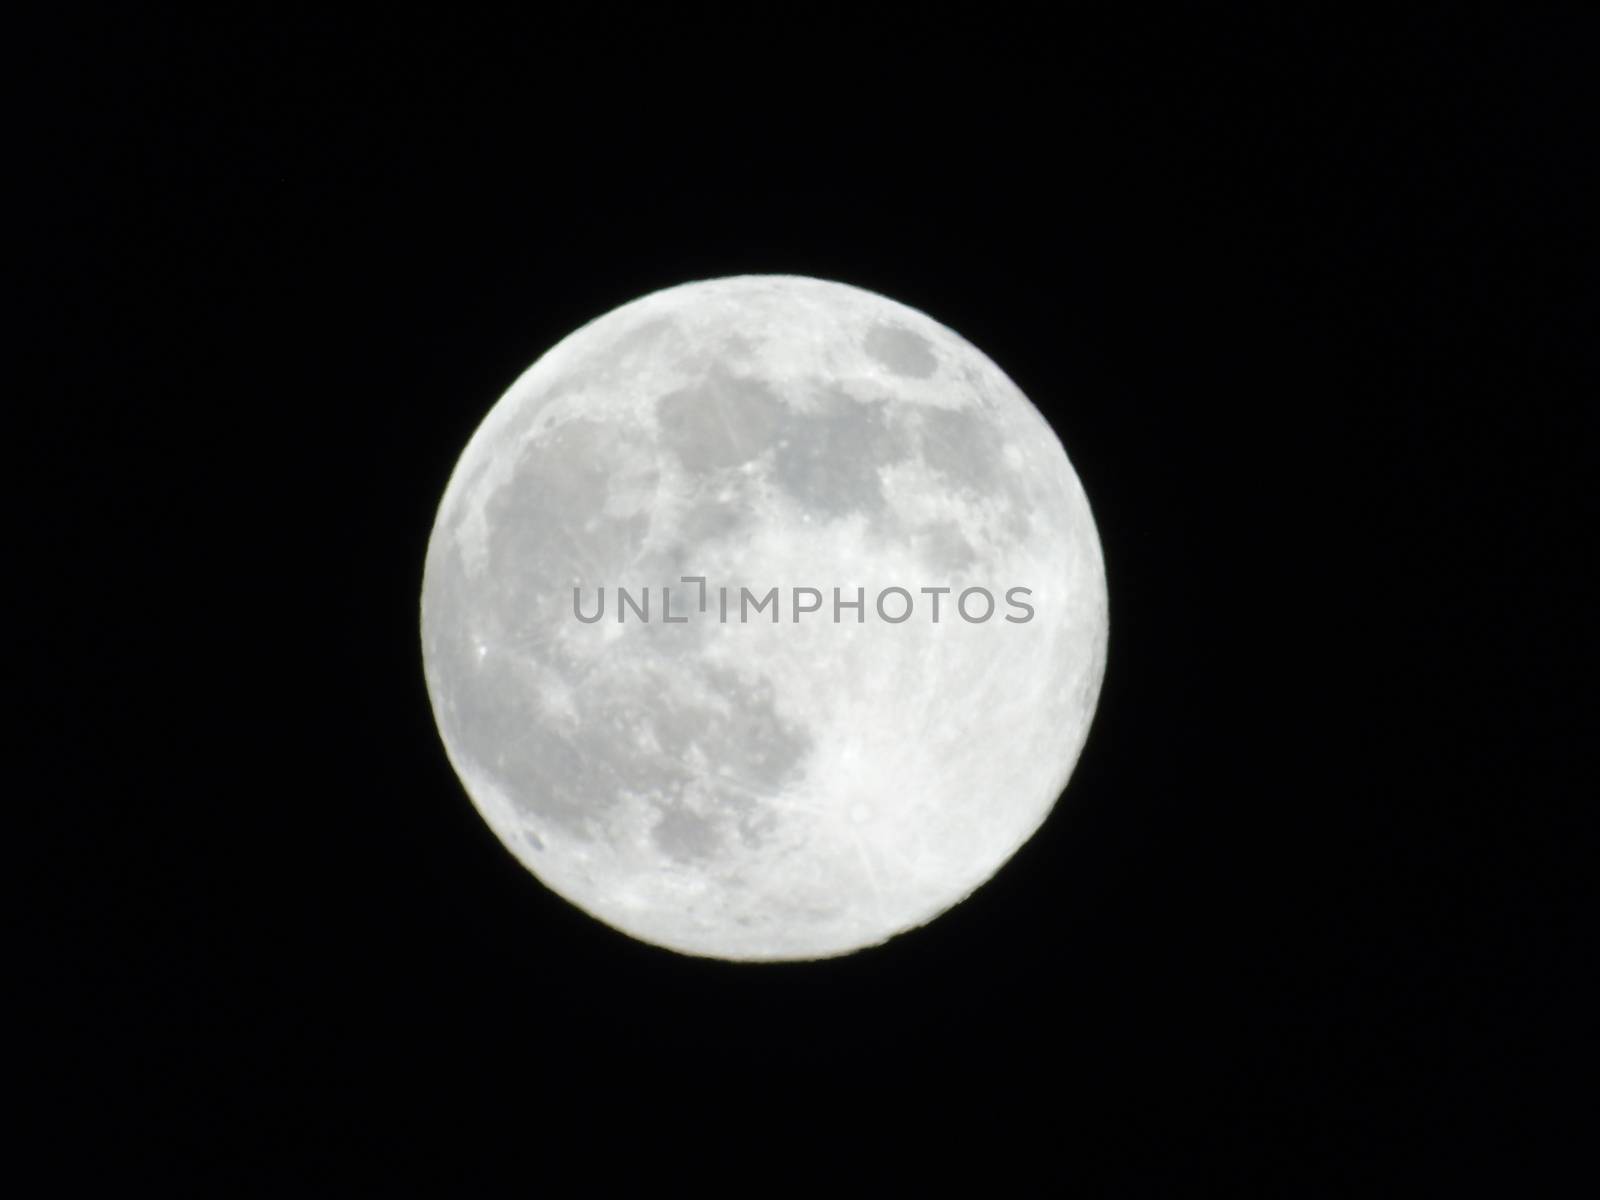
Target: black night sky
pixel 1311 304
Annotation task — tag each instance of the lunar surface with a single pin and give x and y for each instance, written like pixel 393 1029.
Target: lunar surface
pixel 686 631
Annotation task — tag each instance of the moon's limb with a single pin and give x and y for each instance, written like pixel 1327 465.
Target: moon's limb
pixel 750 789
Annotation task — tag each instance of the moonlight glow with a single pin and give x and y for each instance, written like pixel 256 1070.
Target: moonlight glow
pixel 818 778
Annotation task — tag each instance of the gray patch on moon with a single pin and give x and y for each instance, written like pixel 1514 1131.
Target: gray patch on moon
pixel 722 421
pixel 964 446
pixel 944 547
pixel 826 451
pixel 684 835
pixel 695 743
pixel 499 726
pixel 829 455
pixel 903 352
pixel 574 469
pixel 757 753
pixel 967 449
pixel 635 341
pixel 708 520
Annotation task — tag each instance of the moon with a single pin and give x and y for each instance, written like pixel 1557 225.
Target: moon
pixel 764 618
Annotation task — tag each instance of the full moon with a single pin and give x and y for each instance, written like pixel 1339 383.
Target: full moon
pixel 764 618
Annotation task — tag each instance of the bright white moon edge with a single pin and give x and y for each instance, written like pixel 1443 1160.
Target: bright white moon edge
pixel 751 790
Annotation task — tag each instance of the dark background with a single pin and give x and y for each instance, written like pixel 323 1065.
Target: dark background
pixel 1311 304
